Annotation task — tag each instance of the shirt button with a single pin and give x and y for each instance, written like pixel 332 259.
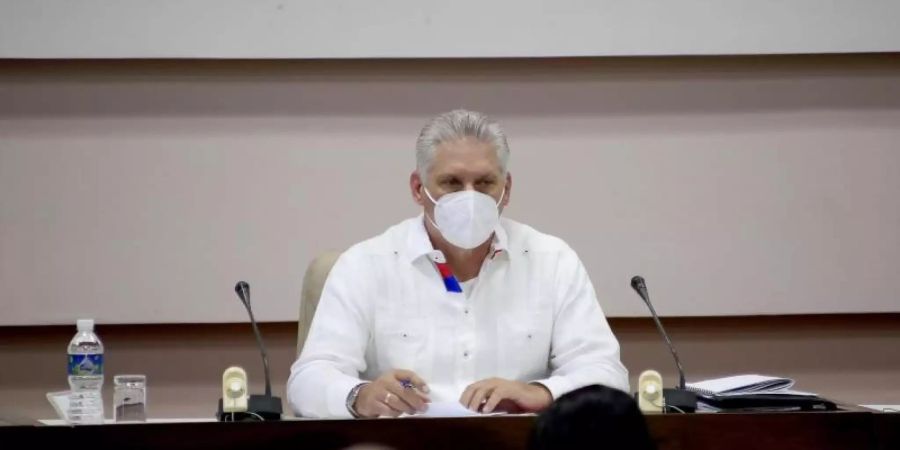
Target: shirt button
pixel 467 310
pixel 465 354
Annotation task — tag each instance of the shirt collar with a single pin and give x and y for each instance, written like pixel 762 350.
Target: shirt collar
pixel 418 243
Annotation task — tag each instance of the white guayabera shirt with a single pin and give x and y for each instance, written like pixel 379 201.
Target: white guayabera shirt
pixel 532 316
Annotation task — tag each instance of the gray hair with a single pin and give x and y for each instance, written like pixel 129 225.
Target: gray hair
pixel 454 125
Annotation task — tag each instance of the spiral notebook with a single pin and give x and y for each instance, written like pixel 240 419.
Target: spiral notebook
pixel 756 392
pixel 743 385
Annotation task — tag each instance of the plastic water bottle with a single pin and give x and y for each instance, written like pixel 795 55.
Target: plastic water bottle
pixel 85 375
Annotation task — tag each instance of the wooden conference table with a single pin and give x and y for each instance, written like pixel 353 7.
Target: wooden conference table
pixel 855 429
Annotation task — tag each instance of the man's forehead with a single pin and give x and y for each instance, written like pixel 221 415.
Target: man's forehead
pixel 465 153
pixel 480 168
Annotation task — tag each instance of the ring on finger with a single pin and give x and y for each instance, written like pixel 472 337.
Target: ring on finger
pixel 387 398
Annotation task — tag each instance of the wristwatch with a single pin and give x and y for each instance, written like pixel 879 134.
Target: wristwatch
pixel 351 399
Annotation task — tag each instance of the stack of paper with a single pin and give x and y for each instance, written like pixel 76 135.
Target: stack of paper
pixel 450 409
pixel 744 385
pixel 754 392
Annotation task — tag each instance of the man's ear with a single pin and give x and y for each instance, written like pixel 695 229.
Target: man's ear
pixel 505 200
pixel 415 187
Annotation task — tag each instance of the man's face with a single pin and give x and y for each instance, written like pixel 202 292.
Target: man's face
pixel 464 164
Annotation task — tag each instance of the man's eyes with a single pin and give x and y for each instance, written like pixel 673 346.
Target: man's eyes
pixel 456 183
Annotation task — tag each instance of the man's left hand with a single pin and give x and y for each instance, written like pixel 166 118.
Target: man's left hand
pixel 512 396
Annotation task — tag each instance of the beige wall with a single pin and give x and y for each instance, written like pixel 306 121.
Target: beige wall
pixel 413 28
pixel 808 145
pixel 141 191
pixel 851 358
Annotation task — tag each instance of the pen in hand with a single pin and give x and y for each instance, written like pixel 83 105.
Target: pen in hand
pixel 408 385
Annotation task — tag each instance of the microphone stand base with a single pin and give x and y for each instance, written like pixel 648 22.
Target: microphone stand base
pixel 260 408
pixel 685 401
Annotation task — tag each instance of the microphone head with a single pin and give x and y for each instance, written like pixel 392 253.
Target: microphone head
pixel 639 286
pixel 637 283
pixel 243 291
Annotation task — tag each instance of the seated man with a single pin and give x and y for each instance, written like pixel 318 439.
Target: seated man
pixel 456 304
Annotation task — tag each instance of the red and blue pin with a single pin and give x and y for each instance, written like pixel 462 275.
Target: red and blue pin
pixel 450 281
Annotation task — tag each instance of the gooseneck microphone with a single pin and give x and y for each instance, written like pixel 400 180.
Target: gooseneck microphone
pixel 243 291
pixel 679 398
pixel 638 284
pixel 258 407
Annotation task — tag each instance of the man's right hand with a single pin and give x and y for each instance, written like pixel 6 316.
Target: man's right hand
pixel 388 395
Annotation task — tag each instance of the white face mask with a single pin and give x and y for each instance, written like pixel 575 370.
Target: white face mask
pixel 466 219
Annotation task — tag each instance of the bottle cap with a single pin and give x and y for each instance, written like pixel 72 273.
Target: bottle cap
pixel 85 324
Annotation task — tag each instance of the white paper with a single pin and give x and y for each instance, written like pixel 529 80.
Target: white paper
pixel 60 402
pixel 884 408
pixel 742 384
pixel 60 422
pixel 449 409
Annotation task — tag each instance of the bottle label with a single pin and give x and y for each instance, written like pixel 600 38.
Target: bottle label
pixel 82 365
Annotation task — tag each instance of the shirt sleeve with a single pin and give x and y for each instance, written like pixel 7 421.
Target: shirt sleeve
pixel 583 350
pixel 333 355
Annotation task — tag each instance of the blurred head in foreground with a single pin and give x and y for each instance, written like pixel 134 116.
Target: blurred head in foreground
pixel 593 417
